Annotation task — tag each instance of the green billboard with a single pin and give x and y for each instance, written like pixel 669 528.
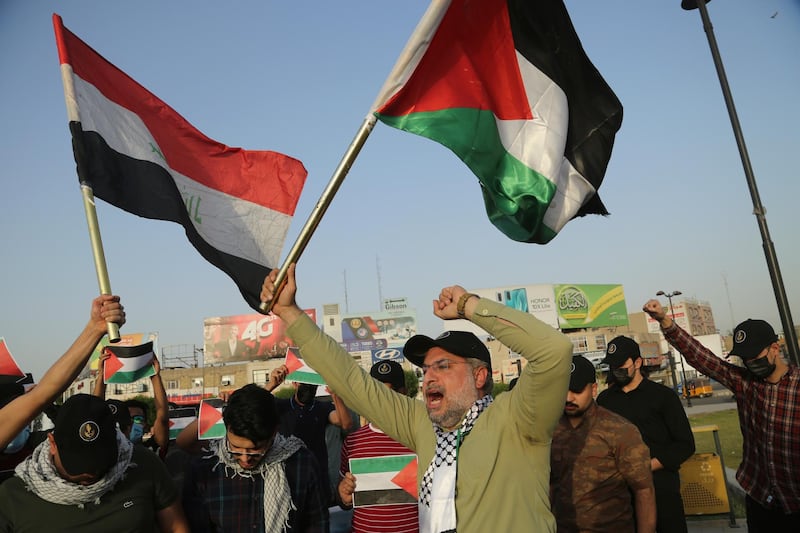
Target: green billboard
pixel 590 306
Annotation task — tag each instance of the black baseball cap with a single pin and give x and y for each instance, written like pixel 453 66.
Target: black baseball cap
pixel 751 337
pixel 581 374
pixel 619 350
pixel 389 372
pixel 86 435
pixel 460 343
pixel 121 413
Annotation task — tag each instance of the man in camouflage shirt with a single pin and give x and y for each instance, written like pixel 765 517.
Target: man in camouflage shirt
pixel 598 461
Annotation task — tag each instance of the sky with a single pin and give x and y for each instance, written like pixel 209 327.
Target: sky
pixel 299 77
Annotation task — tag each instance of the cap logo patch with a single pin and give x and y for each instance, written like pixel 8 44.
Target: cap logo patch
pixel 89 431
pixel 740 336
pixel 443 335
pixel 612 348
pixel 113 408
pixel 384 369
pixel 572 370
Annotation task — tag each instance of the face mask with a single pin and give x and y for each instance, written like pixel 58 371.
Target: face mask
pixel 761 368
pixel 621 376
pixel 19 441
pixel 137 432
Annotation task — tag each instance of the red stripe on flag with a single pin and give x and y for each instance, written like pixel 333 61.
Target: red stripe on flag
pixel 406 479
pixel 8 366
pixel 472 45
pixel 209 415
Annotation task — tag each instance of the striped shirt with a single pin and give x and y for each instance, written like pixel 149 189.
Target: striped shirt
pixel 368 441
pixel 769 417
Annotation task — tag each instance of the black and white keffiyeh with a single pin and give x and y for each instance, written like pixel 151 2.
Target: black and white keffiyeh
pixel 39 474
pixel 437 494
pixel 277 495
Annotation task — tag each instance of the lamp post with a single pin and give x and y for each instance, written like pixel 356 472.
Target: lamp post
pixel 758 209
pixel 685 388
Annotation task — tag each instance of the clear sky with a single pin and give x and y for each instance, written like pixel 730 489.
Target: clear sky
pixel 298 77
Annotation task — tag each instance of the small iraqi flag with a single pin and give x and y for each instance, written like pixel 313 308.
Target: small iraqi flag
pixel 210 424
pixel 128 364
pixel 299 371
pixel 8 366
pixel 179 419
pixel 387 480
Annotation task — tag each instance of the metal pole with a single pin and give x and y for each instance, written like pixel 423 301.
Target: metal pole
pixel 758 209
pixel 683 367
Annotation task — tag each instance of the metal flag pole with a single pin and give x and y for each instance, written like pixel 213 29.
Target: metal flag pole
pixel 80 160
pixel 411 54
pixel 758 209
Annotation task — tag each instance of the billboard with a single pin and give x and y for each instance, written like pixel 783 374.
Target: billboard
pixel 393 328
pixel 537 300
pixel 230 339
pixel 590 306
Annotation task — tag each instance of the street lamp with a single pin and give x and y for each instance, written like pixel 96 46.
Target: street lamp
pixel 685 388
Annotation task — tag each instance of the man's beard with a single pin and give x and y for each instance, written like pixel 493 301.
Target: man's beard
pixel 577 413
pixel 458 405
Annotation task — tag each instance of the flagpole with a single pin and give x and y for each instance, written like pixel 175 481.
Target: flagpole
pixel 760 213
pixel 412 52
pixel 86 190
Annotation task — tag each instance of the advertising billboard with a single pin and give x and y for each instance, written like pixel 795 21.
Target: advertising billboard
pixel 393 328
pixel 230 339
pixel 590 306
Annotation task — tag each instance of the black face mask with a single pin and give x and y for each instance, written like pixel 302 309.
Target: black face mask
pixel 306 393
pixel 761 368
pixel 621 376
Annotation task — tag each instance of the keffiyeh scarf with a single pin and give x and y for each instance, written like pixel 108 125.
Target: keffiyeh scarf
pixel 437 495
pixel 277 495
pixel 40 476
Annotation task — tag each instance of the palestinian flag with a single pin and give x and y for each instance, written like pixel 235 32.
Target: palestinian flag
pixel 210 424
pixel 138 154
pixel 179 419
pixel 128 364
pixel 299 371
pixel 8 366
pixel 506 85
pixel 387 480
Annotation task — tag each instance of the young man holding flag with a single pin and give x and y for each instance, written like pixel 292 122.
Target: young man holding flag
pixel 512 433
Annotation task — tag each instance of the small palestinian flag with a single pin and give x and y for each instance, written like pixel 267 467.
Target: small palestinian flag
pixel 179 419
pixel 387 480
pixel 210 424
pixel 8 366
pixel 128 364
pixel 299 371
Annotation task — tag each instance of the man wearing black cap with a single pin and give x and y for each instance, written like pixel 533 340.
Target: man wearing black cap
pixel 88 477
pixel 767 392
pixel 369 441
pixel 597 463
pixel 658 414
pixel 469 446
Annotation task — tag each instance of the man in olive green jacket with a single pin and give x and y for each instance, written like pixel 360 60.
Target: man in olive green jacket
pixel 483 465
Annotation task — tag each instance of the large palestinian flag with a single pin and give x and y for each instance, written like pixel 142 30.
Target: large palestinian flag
pixel 128 364
pixel 506 85
pixel 138 154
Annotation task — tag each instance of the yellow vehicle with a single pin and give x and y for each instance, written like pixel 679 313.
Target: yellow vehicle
pixel 699 388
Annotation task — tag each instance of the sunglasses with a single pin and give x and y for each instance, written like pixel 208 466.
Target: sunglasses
pixel 137 419
pixel 249 455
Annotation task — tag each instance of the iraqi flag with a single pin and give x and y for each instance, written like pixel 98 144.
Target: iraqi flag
pixel 299 371
pixel 128 364
pixel 387 480
pixel 8 366
pixel 210 424
pixel 506 85
pixel 138 154
pixel 179 419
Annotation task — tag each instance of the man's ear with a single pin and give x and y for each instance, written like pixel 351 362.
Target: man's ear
pixel 481 376
pixel 52 440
